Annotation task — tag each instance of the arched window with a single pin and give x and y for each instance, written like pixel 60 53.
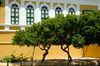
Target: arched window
pixel 30 15
pixel 44 12
pixel 71 11
pixel 58 11
pixel 14 14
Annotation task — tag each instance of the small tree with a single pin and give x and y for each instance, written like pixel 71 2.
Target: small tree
pixel 46 35
pixel 90 27
pixel 67 33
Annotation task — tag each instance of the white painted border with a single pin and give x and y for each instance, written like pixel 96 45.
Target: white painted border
pixel 30 4
pixel 58 6
pixel 71 7
pixel 14 2
pixel 44 4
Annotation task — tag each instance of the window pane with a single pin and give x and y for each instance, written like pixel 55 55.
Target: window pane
pixel 32 20
pixel 71 11
pixel 44 12
pixel 31 15
pixel 42 15
pixel 12 22
pixel 16 10
pixel 31 11
pixel 58 11
pixel 12 18
pixel 28 19
pixel 16 22
pixel 28 23
pixel 28 15
pixel 46 15
pixel 16 14
pixel 12 14
pixel 12 10
pixel 16 19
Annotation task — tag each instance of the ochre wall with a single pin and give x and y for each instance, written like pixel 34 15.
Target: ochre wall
pixel 2 13
pixel 91 7
pixel 6 36
pixel 6 49
pixel 92 51
pixel 54 52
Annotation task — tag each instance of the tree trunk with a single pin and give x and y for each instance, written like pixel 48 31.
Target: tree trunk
pixel 64 49
pixel 44 55
pixel 33 56
pixel 46 52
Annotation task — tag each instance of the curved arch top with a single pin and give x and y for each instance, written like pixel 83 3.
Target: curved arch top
pixel 59 6
pixel 14 3
pixel 30 4
pixel 45 5
pixel 71 7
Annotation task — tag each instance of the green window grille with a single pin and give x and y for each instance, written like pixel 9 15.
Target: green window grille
pixel 71 11
pixel 14 14
pixel 86 10
pixel 30 15
pixel 0 2
pixel 44 12
pixel 58 11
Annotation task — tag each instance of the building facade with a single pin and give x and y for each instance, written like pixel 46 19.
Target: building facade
pixel 20 14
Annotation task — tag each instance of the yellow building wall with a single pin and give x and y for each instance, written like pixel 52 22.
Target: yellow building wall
pixel 2 12
pixel 54 52
pixel 6 49
pixel 92 51
pixel 91 7
pixel 6 36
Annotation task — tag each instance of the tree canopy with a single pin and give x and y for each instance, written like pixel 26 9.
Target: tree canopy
pixel 70 30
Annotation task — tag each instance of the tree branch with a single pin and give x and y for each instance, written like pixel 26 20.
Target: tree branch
pixel 41 48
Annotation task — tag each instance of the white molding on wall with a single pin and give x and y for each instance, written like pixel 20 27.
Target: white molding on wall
pixel 14 2
pixel 30 4
pixel 37 9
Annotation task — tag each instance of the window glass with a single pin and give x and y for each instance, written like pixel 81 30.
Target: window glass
pixel 44 12
pixel 71 11
pixel 30 15
pixel 14 14
pixel 58 11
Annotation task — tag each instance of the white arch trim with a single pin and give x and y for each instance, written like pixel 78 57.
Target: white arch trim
pixel 30 4
pixel 71 7
pixel 45 5
pixel 14 3
pixel 58 6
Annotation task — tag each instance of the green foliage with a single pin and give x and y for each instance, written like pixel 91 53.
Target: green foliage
pixel 77 30
pixel 12 59
pixel 89 27
pixel 78 41
pixel 19 38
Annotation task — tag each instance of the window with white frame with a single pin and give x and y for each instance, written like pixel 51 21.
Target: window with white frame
pixel 71 11
pixel 58 11
pixel 44 12
pixel 30 15
pixel 14 14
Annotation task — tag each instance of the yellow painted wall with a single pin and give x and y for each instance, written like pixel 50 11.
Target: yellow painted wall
pixel 2 13
pixel 91 7
pixel 92 51
pixel 54 52
pixel 6 36
pixel 7 49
